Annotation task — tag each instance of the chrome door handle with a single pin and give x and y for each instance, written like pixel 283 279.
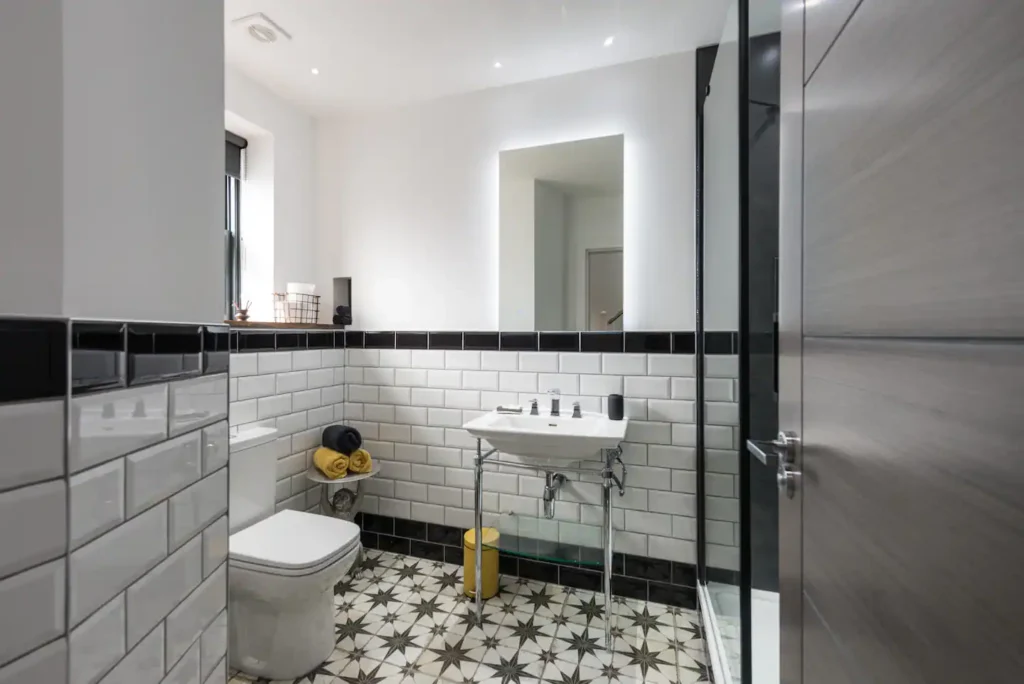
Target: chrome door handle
pixel 783 443
pixel 786 478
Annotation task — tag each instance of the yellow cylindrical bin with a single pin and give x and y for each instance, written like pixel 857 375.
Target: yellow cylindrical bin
pixel 489 575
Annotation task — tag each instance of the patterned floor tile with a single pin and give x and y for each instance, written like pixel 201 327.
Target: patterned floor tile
pixel 504 665
pixel 452 657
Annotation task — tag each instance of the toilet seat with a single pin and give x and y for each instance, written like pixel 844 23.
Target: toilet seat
pixel 292 543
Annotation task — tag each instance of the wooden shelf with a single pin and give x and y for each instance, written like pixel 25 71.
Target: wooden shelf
pixel 270 325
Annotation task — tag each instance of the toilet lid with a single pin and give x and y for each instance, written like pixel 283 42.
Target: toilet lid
pixel 291 540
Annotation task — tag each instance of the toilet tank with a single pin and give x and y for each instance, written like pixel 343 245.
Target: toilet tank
pixel 252 475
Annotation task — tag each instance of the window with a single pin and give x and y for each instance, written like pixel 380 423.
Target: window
pixel 232 224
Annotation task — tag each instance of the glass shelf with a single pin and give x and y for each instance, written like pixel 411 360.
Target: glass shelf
pixel 547 540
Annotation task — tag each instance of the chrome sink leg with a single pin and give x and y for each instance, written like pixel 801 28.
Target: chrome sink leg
pixel 606 500
pixel 478 506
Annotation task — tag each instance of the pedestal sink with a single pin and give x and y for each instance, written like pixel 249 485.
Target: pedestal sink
pixel 547 439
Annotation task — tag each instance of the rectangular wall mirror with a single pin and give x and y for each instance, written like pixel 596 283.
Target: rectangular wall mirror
pixel 560 244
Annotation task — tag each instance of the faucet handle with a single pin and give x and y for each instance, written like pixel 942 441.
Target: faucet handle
pixel 576 412
pixel 555 392
pixel 534 410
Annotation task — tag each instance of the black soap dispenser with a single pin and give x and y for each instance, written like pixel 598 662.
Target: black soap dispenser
pixel 616 407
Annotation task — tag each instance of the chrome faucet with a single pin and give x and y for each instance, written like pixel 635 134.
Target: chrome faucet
pixel 555 401
pixel 576 413
pixel 533 408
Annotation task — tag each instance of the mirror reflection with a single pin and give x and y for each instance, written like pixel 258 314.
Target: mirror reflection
pixel 560 243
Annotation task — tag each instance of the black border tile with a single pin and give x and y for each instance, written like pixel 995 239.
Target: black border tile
pixel 162 352
pixel 290 341
pixel 444 534
pixel 216 349
pixel 672 595
pixel 97 356
pixel 410 340
pixel 412 529
pixel 339 339
pixel 559 341
pixel 422 549
pixel 368 539
pixel 385 542
pixel 256 340
pixel 629 587
pixel 379 340
pixel 721 342
pixel 648 343
pixel 580 578
pixel 320 340
pixel 354 339
pixel 536 570
pixel 378 523
pixel 453 554
pixel 444 340
pixel 648 568
pixel 607 342
pixel 35 359
pixel 518 341
pixel 508 564
pixel 234 341
pixel 684 343
pixel 684 574
pixel 722 576
pixel 483 341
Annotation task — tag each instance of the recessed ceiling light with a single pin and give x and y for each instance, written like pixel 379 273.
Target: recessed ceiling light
pixel 608 41
pixel 497 65
pixel 314 71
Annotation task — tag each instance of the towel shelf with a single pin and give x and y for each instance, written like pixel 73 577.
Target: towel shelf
pixel 316 476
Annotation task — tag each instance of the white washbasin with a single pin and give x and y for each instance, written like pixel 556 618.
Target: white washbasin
pixel 546 438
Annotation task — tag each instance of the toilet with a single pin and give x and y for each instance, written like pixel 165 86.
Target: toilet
pixel 282 568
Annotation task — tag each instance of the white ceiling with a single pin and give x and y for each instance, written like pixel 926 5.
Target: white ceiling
pixel 381 53
pixel 579 167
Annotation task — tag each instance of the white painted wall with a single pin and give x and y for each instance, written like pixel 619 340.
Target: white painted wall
pixel 278 193
pixel 549 275
pixel 408 198
pixel 143 141
pixel 31 213
pixel 594 222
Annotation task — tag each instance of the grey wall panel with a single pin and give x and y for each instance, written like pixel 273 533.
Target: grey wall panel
pixel 913 514
pixel 825 19
pixel 913 203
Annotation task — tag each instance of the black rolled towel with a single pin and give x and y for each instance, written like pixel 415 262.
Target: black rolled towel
pixel 342 310
pixel 338 320
pixel 341 438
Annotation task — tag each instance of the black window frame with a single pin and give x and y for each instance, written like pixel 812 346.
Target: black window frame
pixel 234 146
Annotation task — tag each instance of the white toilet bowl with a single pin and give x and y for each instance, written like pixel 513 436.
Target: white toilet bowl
pixel 281 575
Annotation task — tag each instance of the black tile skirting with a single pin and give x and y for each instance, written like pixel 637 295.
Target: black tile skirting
pixel 677 342
pixel 636 577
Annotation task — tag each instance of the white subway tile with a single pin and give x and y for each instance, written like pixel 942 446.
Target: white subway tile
pixel 504 483
pixel 675 503
pixel 31 609
pixel 243 364
pixel 47 664
pixel 156 593
pixel 363 394
pixel 389 432
pixel 429 513
pixel 393 507
pixel 255 386
pixel 379 487
pixel 396 358
pixel 379 376
pixel 648 477
pixel 215 447
pixel 446 379
pixel 306 399
pixel 673 411
pixel 196 507
pixel 213 644
pixel 583 535
pixel 668 548
pixel 427 474
pixel 292 382
pixel 274 362
pixel 649 523
pixel 105 566
pixel 718 437
pixel 363 357
pixel 411 415
pixel 97 502
pixel 600 385
pixel 462 399
pixel 634 409
pixel 720 413
pixel 480 380
pixel 646 387
pixel 670 364
pixel 395 470
pixel 321 377
pixel 721 366
pixel 444 417
pixel 243 412
pixel 304 359
pixel 499 360
pixel 427 435
pixel 32 435
pixel 367 430
pixel 144 664
pixel 634 453
pixel 686 388
pixel 97 644
pixel 219 674
pixel 194 403
pixel 492 400
pixel 271 407
pixel 309 439
pixel 727 557
pixel 517 382
pixel 579 363
pixel 292 423
pixel 530 485
pixel 34 525
pixel 353 375
pixel 339 412
pixel 718 484
pixel 720 532
pixel 538 362
pixel 520 505
pixel 369 504
pixel 290 465
pixel 379 413
pixel 139 414
pixel 153 474
pixel 410 377
pixel 186 671
pixel 672 457
pixel 215 545
pixel 413 453
pixel 459 438
pixel 459 477
pixel 186 623
pixel 412 491
pixel 722 508
pixel 330 395
pixel 423 358
pixel 490 500
pixel 624 364
pixel 332 358
pixel 444 456
pixel 444 496
pixel 395 395
pixel 684 481
pixel 422 396
pixel 462 360
pixel 565 384
pixel 648 432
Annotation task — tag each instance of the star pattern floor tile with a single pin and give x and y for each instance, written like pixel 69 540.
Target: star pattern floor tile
pixel 402 620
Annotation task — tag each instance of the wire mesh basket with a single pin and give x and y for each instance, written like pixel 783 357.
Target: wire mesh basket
pixel 294 307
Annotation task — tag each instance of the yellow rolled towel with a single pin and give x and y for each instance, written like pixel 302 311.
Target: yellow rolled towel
pixel 332 464
pixel 360 461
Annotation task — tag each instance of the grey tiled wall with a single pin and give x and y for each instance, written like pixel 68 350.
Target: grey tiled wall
pixel 114 536
pixel 299 393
